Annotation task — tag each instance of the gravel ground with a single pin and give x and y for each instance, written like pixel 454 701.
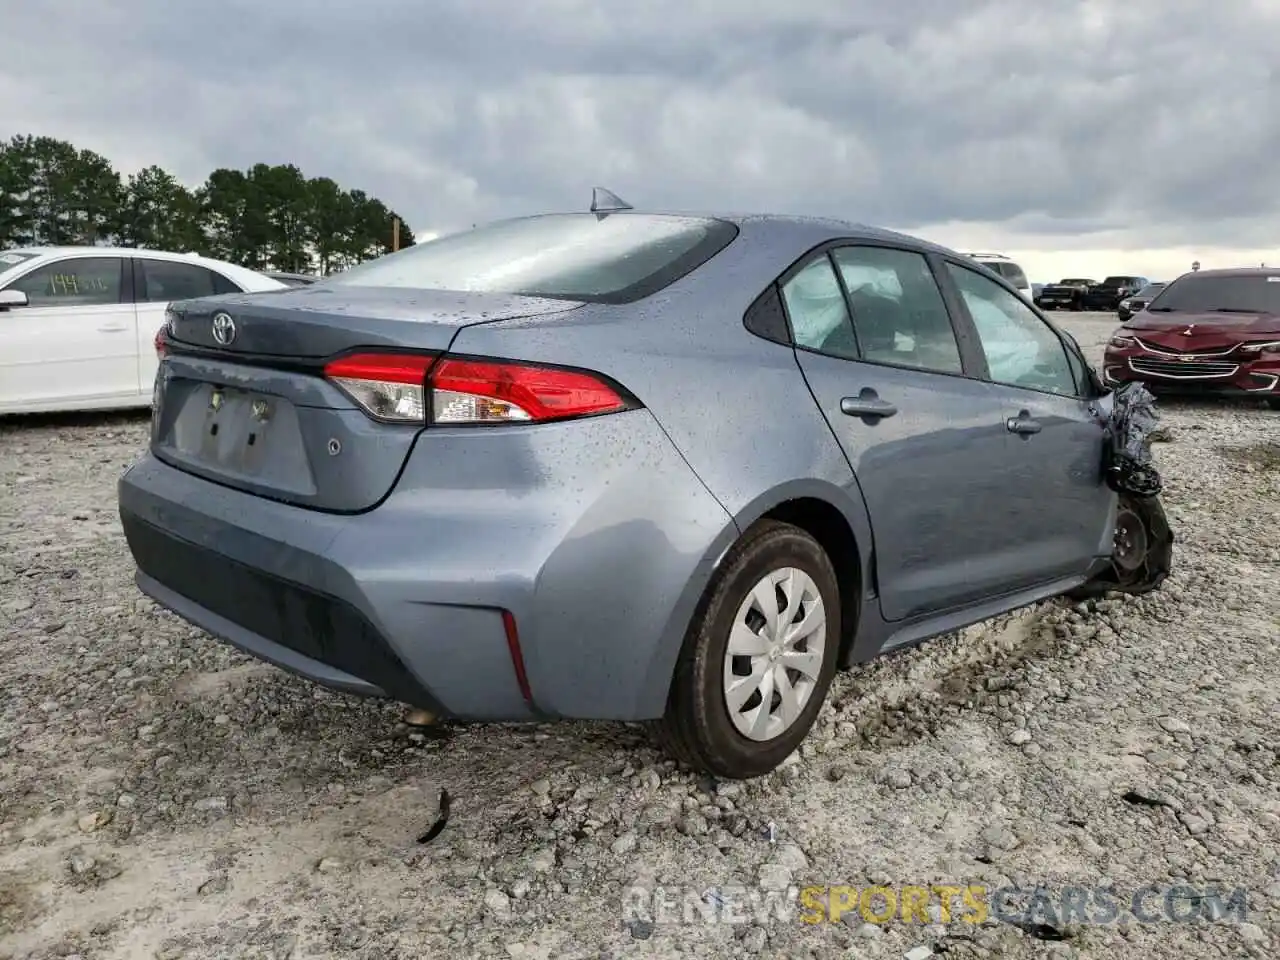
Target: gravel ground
pixel 164 796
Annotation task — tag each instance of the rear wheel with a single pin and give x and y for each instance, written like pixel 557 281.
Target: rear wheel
pixel 759 657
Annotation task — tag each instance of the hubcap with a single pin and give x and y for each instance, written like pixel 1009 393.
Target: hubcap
pixel 775 653
pixel 1130 544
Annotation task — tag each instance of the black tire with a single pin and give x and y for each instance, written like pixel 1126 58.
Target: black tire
pixel 1139 574
pixel 697 728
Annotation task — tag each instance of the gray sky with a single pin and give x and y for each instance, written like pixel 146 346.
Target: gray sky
pixel 1066 132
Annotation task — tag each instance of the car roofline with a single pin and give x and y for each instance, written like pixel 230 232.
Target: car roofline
pixel 169 256
pixel 823 229
pixel 1241 272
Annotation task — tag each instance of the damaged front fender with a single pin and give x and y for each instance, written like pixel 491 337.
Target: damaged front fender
pixel 1129 425
pixel 1142 550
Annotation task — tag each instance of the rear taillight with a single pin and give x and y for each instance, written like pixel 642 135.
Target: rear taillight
pixel 389 386
pixel 404 388
pixel 483 391
pixel 161 348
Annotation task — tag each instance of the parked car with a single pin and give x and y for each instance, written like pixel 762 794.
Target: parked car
pixel 1108 294
pixel 1000 264
pixel 1212 331
pixel 1067 293
pixel 621 466
pixel 1138 302
pixel 293 279
pixel 77 324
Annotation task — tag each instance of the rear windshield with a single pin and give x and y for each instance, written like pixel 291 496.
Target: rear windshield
pixel 613 258
pixel 1010 271
pixel 1247 294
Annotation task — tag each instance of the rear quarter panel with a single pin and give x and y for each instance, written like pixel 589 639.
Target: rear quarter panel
pixel 736 406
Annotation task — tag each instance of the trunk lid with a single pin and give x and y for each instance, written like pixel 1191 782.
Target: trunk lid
pixel 257 414
pixel 319 321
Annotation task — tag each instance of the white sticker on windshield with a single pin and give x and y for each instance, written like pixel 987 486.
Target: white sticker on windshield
pixel 1273 279
pixel 11 258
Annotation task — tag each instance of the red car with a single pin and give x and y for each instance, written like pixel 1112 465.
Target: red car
pixel 1212 331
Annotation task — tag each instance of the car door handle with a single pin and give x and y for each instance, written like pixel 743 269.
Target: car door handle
pixel 867 404
pixel 1023 424
pixel 113 328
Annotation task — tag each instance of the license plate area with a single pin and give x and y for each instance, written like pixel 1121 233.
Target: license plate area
pixel 238 434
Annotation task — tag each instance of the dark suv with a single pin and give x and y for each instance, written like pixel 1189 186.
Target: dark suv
pixel 1108 294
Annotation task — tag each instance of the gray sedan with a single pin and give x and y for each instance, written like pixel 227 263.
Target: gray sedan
pixel 619 465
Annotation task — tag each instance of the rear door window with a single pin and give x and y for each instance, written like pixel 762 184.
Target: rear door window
pixel 899 315
pixel 817 310
pixel 166 280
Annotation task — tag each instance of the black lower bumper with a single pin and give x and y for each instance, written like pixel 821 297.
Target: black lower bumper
pixel 318 627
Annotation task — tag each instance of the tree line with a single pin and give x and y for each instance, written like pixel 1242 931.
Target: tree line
pixel 265 218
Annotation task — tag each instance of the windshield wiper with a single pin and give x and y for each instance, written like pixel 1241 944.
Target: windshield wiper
pixel 1234 310
pixel 1160 310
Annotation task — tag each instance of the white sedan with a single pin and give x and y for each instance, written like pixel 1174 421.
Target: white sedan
pixel 78 324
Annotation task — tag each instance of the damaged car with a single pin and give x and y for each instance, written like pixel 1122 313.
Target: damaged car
pixel 625 465
pixel 1211 332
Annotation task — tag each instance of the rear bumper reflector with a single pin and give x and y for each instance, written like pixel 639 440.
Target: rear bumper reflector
pixel 517 658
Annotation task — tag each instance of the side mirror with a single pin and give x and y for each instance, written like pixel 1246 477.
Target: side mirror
pixel 13 298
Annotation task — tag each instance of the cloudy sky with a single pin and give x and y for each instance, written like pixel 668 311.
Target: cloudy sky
pixel 1081 137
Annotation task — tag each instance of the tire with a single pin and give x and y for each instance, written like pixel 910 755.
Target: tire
pixel 1142 573
pixel 698 727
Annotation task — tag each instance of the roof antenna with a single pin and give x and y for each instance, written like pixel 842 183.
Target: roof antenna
pixel 606 201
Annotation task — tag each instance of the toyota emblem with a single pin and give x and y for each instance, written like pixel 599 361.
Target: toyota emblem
pixel 224 328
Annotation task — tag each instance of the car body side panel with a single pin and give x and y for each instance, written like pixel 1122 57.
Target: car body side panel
pixel 930 475
pixel 1055 496
pixel 685 354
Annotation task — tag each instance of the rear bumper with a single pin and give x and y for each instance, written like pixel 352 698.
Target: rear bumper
pixel 598 559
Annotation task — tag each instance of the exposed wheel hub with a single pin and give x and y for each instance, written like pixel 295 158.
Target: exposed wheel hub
pixel 1129 547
